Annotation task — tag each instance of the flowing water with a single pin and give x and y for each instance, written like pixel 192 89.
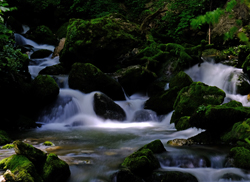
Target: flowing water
pixel 94 148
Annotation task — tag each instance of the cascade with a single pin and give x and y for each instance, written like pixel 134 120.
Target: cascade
pixel 95 147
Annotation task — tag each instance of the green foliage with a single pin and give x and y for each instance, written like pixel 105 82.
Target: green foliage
pixel 4 8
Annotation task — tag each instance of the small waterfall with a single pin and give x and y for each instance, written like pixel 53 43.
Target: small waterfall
pixel 223 76
pixel 21 40
pixel 26 28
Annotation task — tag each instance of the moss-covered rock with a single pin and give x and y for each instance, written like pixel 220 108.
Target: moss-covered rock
pixel 48 143
pixel 4 138
pixel 243 86
pixel 43 35
pixel 125 175
pixel 183 123
pixel 55 170
pixel 62 31
pixel 142 162
pixel 221 116
pixel 239 132
pixel 241 157
pixel 41 53
pixel 135 78
pixel 171 176
pixel 88 78
pixel 45 90
pixel 191 97
pixel 181 80
pixel 246 65
pixel 22 168
pixel 155 146
pixel 35 155
pixel 100 41
pixel 107 108
pixel 54 70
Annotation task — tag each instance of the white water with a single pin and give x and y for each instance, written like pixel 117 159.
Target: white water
pixel 223 76
pixel 95 147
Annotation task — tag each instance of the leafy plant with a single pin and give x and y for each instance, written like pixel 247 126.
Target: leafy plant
pixel 201 108
pixel 4 8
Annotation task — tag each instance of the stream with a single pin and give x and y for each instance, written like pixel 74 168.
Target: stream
pixel 95 148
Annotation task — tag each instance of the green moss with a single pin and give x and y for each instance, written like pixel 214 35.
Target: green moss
pixel 241 157
pixel 141 162
pixel 33 154
pixel 48 143
pixel 183 123
pixel 240 131
pixel 180 80
pixel 22 167
pixel 55 169
pixel 7 146
pixel 191 97
pixel 155 146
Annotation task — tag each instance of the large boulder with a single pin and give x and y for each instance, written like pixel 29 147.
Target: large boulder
pixel 241 157
pixel 135 78
pixel 20 169
pixel 54 70
pixel 35 155
pixel 88 78
pixel 107 108
pixel 33 165
pixel 99 41
pixel 191 97
pixel 55 169
pixel 221 116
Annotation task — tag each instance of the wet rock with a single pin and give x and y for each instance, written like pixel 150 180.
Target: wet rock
pixel 107 108
pixel 53 70
pixel 243 85
pixel 59 48
pixel 241 157
pixel 222 116
pixel 232 177
pixel 181 80
pixel 100 41
pixel 42 35
pixel 193 96
pixel 155 146
pixel 42 53
pixel 88 78
pixel 145 115
pixel 180 142
pixel 183 123
pixel 55 169
pixel 171 176
pixel 142 162
pixel 125 175
pixel 35 155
